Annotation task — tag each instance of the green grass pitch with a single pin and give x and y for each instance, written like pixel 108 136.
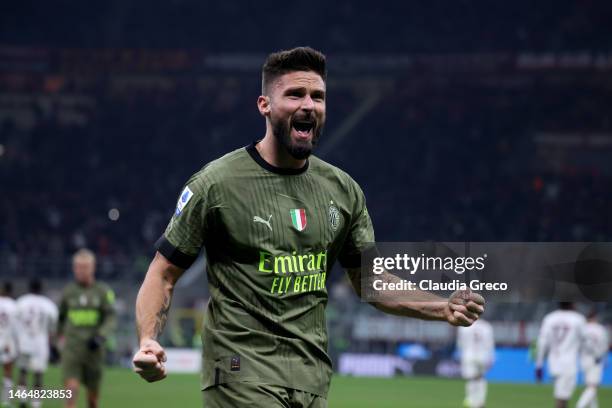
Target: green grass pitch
pixel 122 388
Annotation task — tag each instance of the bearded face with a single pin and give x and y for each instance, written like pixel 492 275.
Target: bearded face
pixel 297 113
pixel 299 135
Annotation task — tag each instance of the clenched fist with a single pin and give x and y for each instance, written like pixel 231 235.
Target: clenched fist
pixel 149 361
pixel 464 308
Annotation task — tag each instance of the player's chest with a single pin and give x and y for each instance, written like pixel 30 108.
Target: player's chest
pixel 283 216
pixel 86 299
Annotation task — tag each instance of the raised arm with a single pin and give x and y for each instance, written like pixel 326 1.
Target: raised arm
pixel 152 306
pixel 462 308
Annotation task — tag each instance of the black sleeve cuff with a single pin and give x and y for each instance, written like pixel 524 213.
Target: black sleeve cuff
pixel 350 261
pixel 173 254
pixel 356 259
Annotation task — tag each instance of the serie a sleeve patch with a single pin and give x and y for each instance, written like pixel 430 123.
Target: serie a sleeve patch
pixel 183 200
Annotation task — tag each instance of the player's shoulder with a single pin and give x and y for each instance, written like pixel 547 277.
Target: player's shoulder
pixel 23 300
pixel 102 286
pixel 566 316
pixel 35 300
pixel 484 324
pixel 595 327
pixel 8 303
pixel 70 289
pixel 47 302
pixel 106 291
pixel 465 329
pixel 320 168
pixel 218 169
pixel 201 184
pixel 551 317
pixel 576 316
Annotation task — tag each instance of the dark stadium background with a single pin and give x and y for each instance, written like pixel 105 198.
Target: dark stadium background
pixel 462 121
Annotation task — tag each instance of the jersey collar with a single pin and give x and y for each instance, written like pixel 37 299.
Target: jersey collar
pixel 278 170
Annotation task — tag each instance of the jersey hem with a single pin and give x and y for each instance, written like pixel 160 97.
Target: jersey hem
pixel 270 383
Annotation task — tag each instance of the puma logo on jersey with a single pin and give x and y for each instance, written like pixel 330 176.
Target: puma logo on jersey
pixel 262 221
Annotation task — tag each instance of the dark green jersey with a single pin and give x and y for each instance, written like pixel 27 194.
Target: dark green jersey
pixel 271 237
pixel 85 312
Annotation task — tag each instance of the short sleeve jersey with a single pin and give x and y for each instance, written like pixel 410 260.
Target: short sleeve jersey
pixel 83 312
pixel 595 341
pixel 271 237
pixel 8 322
pixel 37 316
pixel 560 338
pixel 476 343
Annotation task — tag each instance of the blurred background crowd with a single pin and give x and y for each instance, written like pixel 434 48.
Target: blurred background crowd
pixel 461 122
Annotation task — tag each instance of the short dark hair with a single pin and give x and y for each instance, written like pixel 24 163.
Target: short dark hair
pixel 593 313
pixel 35 286
pixel 296 59
pixel 7 288
pixel 566 305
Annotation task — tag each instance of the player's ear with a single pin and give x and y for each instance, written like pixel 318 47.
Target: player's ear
pixel 263 104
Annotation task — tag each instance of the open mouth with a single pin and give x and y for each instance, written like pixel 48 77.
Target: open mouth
pixel 303 128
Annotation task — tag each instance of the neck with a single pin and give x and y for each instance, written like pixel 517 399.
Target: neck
pixel 272 152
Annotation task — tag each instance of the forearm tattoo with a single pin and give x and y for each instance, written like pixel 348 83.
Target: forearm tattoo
pixel 162 315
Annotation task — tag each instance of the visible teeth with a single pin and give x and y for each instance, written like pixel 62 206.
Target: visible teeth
pixel 303 126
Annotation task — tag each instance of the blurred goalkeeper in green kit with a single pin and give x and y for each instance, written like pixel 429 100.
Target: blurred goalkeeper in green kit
pixel 86 319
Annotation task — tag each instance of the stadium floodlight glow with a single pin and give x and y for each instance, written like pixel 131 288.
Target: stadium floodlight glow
pixel 113 214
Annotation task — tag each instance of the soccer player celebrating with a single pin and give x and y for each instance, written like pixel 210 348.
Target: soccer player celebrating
pixel 273 219
pixel 86 319
pixel 8 339
pixel 477 347
pixel 37 319
pixel 593 353
pixel 560 339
